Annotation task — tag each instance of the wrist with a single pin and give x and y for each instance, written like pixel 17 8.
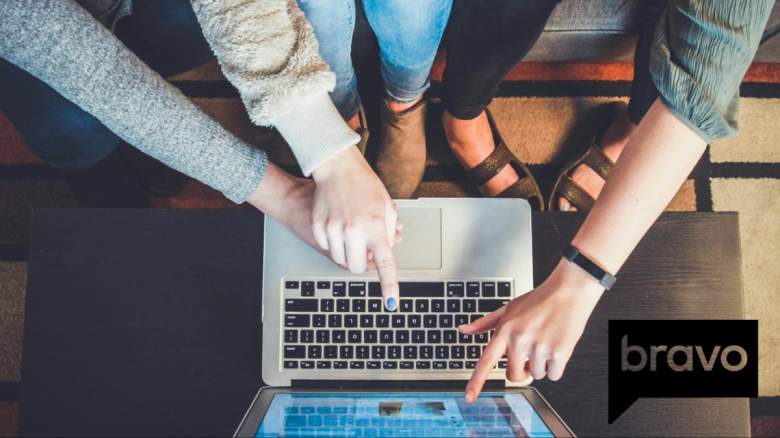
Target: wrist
pixel 335 165
pixel 571 277
pixel 273 189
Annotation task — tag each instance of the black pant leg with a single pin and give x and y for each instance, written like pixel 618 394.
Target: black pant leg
pixel 643 92
pixel 485 40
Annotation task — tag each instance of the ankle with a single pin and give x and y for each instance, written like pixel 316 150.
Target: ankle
pixel 616 136
pixel 461 133
pixel 397 106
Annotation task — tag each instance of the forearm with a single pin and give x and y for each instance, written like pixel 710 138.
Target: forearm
pixel 658 158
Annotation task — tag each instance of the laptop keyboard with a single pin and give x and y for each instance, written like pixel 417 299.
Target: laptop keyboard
pixel 344 324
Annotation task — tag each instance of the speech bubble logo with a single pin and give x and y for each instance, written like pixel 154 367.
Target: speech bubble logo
pixel 680 358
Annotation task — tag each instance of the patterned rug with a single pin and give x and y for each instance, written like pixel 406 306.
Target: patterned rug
pixel 536 108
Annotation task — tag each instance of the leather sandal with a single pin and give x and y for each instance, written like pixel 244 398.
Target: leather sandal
pixel 525 187
pixel 593 157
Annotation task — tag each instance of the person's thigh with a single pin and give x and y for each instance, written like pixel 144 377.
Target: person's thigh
pixel 408 34
pixel 334 23
pixel 485 40
pixel 166 35
pixel 54 128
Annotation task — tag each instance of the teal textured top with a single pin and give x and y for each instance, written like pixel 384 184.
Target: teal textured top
pixel 701 51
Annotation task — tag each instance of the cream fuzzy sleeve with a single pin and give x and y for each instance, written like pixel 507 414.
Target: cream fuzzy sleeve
pixel 269 52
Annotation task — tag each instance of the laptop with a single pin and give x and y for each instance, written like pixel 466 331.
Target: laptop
pixel 339 364
pixel 460 258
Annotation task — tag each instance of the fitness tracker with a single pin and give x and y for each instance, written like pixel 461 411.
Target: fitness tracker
pixel 604 278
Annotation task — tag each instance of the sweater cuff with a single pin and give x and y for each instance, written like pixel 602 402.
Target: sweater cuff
pixel 315 131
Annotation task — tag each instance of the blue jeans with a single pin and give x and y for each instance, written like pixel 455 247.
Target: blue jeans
pixel 408 35
pixel 164 34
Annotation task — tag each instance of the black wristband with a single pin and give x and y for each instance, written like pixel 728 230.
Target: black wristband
pixel 604 278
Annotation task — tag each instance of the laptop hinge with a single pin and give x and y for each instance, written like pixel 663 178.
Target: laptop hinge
pixel 384 385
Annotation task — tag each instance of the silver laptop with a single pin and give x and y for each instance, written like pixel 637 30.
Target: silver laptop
pixel 459 259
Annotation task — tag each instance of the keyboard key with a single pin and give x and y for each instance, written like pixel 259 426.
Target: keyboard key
pixel 318 321
pixel 370 336
pixel 464 339
pixel 334 321
pixel 437 306
pixel 470 306
pixel 291 364
pixel 488 289
pixel 307 336
pixel 366 321
pixel 456 365
pixel 297 320
pixel 340 364
pixel 461 319
pixel 410 352
pixel 357 289
pixel 422 365
pixel 398 320
pixel 350 321
pixel 339 336
pixel 323 365
pixel 471 364
pixel 439 365
pixel 307 289
pixel 354 336
pixel 406 365
pixel 454 289
pixel 323 285
pixel 307 364
pixel 339 289
pixel 445 321
pixel 472 289
pixel 346 352
pixel 426 352
pixel 315 351
pixel 361 352
pixel 326 304
pixel 378 352
pixel 421 306
pixel 294 352
pixel 457 352
pixel 382 321
pixel 442 352
pixel 389 365
pixel 358 305
pixel 453 306
pixel 434 336
pixel 502 364
pixel 407 306
pixel 417 289
pixel 374 289
pixel 504 289
pixel 373 365
pixel 450 337
pixel 356 365
pixel 386 336
pixel 402 337
pixel 473 351
pixel 291 285
pixel 418 336
pixel 374 305
pixel 481 338
pixel 394 352
pixel 290 336
pixel 300 305
pixel 429 321
pixel 323 337
pixel 331 352
pixel 414 321
pixel 487 306
pixel 342 305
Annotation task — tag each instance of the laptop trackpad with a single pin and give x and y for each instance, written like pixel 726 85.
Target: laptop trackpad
pixel 421 245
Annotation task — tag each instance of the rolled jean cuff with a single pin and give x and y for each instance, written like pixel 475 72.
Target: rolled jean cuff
pixel 402 94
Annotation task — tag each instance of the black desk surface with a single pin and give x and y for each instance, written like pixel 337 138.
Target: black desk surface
pixel 145 322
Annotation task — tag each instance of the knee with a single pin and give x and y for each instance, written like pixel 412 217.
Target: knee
pixel 68 137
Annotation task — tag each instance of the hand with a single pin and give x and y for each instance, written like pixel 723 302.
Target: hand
pixel 355 220
pixel 537 330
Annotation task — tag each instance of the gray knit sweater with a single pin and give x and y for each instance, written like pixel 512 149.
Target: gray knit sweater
pixel 266 49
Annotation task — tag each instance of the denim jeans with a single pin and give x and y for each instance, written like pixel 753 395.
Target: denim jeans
pixel 408 34
pixel 164 34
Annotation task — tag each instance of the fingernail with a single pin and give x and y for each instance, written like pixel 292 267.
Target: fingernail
pixel 391 304
pixel 470 396
pixel 565 206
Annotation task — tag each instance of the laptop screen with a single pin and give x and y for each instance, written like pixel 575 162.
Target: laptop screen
pixel 400 414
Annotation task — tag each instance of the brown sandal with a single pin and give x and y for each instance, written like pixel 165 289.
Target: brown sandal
pixel 593 157
pixel 525 187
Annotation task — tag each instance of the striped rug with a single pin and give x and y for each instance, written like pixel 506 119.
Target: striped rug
pixel 536 108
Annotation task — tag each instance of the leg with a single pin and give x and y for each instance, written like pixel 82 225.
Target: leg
pixel 643 94
pixel 486 39
pixel 334 23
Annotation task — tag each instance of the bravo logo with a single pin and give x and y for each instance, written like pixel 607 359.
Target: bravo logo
pixel 680 358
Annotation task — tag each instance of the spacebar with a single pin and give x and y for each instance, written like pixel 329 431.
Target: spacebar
pixel 421 289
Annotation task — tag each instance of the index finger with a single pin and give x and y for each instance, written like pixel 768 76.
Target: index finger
pixel 493 352
pixel 384 260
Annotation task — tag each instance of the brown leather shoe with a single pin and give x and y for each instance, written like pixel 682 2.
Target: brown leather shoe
pixel 400 161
